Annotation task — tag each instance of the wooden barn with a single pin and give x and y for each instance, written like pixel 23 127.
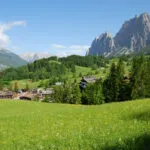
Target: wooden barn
pixel 27 96
pixel 86 80
pixel 6 95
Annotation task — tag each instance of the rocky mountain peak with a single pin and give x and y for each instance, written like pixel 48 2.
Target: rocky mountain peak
pixel 144 15
pixel 104 35
pixel 107 34
pixel 133 35
pixel 103 43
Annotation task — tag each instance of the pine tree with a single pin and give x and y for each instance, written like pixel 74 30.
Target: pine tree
pixel 120 70
pixel 1 85
pixel 147 78
pixel 80 74
pixel 76 94
pixel 139 77
pixel 46 99
pixel 27 87
pixel 98 97
pixel 10 87
pixel 16 88
pixel 57 96
pixel 113 84
pixel 93 94
pixel 66 93
pixel 124 87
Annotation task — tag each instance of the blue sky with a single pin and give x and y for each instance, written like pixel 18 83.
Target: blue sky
pixel 62 26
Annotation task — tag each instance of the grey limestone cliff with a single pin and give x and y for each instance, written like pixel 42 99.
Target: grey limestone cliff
pixel 133 35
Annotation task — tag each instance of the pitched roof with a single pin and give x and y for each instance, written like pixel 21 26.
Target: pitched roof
pixel 5 93
pixel 89 79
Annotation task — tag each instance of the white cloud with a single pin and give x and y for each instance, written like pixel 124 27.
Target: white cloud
pixel 4 38
pixel 58 46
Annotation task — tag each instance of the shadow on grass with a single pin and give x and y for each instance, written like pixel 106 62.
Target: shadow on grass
pixel 141 116
pixel 139 143
pixel 144 116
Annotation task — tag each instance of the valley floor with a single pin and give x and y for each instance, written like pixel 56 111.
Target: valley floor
pixel 35 125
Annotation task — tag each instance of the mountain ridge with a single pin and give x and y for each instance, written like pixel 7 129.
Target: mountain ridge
pixel 10 59
pixel 133 36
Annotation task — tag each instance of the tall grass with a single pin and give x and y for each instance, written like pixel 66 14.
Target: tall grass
pixel 35 126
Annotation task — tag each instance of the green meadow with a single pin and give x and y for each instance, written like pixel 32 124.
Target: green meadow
pixel 42 126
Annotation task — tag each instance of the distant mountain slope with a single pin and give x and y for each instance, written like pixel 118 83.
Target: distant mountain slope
pixel 9 59
pixel 133 36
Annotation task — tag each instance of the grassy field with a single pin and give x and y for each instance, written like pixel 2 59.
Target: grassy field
pixel 22 83
pixel 36 126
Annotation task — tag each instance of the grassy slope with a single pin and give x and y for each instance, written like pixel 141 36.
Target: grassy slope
pixel 22 84
pixel 33 125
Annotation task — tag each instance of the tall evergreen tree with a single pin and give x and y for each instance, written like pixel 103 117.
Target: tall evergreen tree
pixel 1 85
pixel 123 85
pixel 98 97
pixel 27 87
pixel 57 96
pixel 10 87
pixel 111 85
pixel 93 94
pixel 76 94
pixel 67 93
pixel 16 87
pixel 147 78
pixel 139 77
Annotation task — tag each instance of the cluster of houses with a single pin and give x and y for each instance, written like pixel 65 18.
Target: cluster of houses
pixel 40 93
pixel 26 95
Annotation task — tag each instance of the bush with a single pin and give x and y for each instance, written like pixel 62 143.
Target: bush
pixel 46 99
pixel 93 94
pixel 36 99
pixel 94 67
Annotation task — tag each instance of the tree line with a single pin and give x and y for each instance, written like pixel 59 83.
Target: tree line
pixel 115 88
pixel 47 68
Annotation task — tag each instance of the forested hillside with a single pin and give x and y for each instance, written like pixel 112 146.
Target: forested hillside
pixel 52 67
pixel 118 79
